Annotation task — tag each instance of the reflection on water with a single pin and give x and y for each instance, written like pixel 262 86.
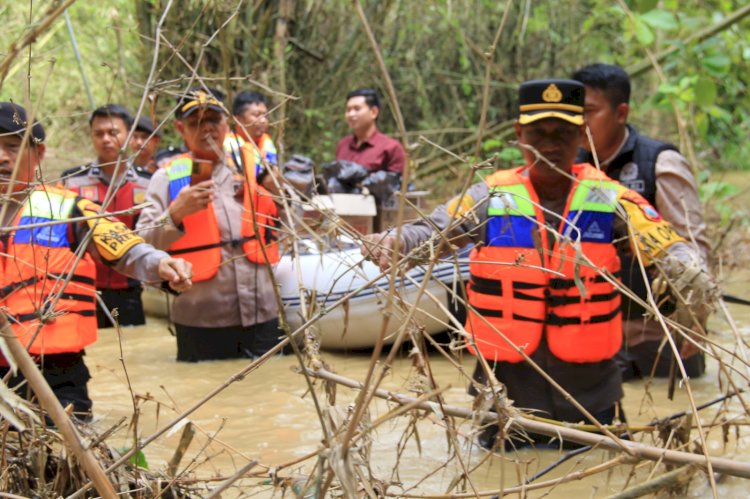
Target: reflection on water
pixel 269 415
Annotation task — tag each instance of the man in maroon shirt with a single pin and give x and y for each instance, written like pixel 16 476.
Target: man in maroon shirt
pixel 367 145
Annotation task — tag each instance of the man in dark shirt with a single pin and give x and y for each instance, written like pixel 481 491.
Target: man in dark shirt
pixel 367 145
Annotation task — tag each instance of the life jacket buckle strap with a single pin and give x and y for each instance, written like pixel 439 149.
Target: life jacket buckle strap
pixel 15 286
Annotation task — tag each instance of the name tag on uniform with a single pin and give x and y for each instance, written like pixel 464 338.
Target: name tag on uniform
pixel 90 192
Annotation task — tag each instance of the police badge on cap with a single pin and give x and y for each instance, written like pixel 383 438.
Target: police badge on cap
pixel 540 99
pixel 200 98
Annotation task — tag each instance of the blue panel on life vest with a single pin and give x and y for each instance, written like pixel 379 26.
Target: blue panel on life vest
pixel 510 231
pixel 594 226
pixel 54 236
pixel 175 186
pixel 271 157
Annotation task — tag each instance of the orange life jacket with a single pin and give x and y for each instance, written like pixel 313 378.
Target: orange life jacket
pixel 34 271
pixel 265 151
pixel 201 244
pixel 510 289
pixel 128 195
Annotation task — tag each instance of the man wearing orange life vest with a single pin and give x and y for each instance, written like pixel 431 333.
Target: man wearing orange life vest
pixel 110 125
pixel 250 110
pixel 544 263
pixel 50 300
pixel 226 228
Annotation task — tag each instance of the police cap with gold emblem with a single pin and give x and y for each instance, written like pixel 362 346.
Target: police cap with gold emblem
pixel 540 99
pixel 200 98
pixel 13 121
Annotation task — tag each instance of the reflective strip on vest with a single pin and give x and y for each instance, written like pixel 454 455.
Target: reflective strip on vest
pixel 268 149
pixel 592 212
pixel 511 217
pixel 44 207
pixel 179 172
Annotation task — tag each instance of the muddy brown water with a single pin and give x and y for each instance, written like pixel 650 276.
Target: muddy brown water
pixel 268 416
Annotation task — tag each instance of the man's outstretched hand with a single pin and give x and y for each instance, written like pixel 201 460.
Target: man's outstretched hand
pixel 177 272
pixel 379 249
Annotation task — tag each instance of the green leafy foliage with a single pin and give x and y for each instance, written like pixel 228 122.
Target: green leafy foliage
pixel 435 52
pixel 138 459
pixel 660 19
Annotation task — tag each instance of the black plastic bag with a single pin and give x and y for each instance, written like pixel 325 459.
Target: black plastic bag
pixel 344 176
pixel 382 185
pixel 299 171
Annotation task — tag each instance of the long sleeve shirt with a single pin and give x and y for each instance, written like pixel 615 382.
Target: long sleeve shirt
pixel 241 293
pixel 678 202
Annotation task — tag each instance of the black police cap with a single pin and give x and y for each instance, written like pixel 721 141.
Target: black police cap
pixel 200 98
pixel 146 125
pixel 540 99
pixel 13 121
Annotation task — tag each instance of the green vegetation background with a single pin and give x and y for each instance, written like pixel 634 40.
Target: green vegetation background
pixel 435 52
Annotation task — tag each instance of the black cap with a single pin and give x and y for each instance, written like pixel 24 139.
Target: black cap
pixel 146 125
pixel 197 98
pixel 13 120
pixel 540 99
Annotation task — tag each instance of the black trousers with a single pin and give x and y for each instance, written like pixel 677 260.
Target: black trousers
pixel 487 438
pixel 207 343
pixel 67 375
pixel 638 361
pixel 128 304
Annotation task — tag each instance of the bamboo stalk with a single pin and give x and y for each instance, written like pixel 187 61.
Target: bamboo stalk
pixel 77 53
pixel 185 439
pixel 652 486
pixel 16 47
pixel 49 403
pixel 637 450
pixel 486 86
pixel 280 41
pixel 227 483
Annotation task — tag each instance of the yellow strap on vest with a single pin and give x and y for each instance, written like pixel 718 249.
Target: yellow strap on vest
pixel 112 238
pixel 652 233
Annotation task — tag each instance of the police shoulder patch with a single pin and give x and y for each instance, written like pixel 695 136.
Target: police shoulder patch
pixel 139 195
pixel 459 206
pixel 90 192
pixel 648 211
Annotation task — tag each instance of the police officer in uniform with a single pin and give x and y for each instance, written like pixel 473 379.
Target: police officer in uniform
pixel 50 301
pixel 658 172
pixel 110 125
pixel 229 234
pixel 143 144
pixel 544 263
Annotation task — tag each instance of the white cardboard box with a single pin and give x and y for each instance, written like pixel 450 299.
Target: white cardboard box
pixel 358 210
